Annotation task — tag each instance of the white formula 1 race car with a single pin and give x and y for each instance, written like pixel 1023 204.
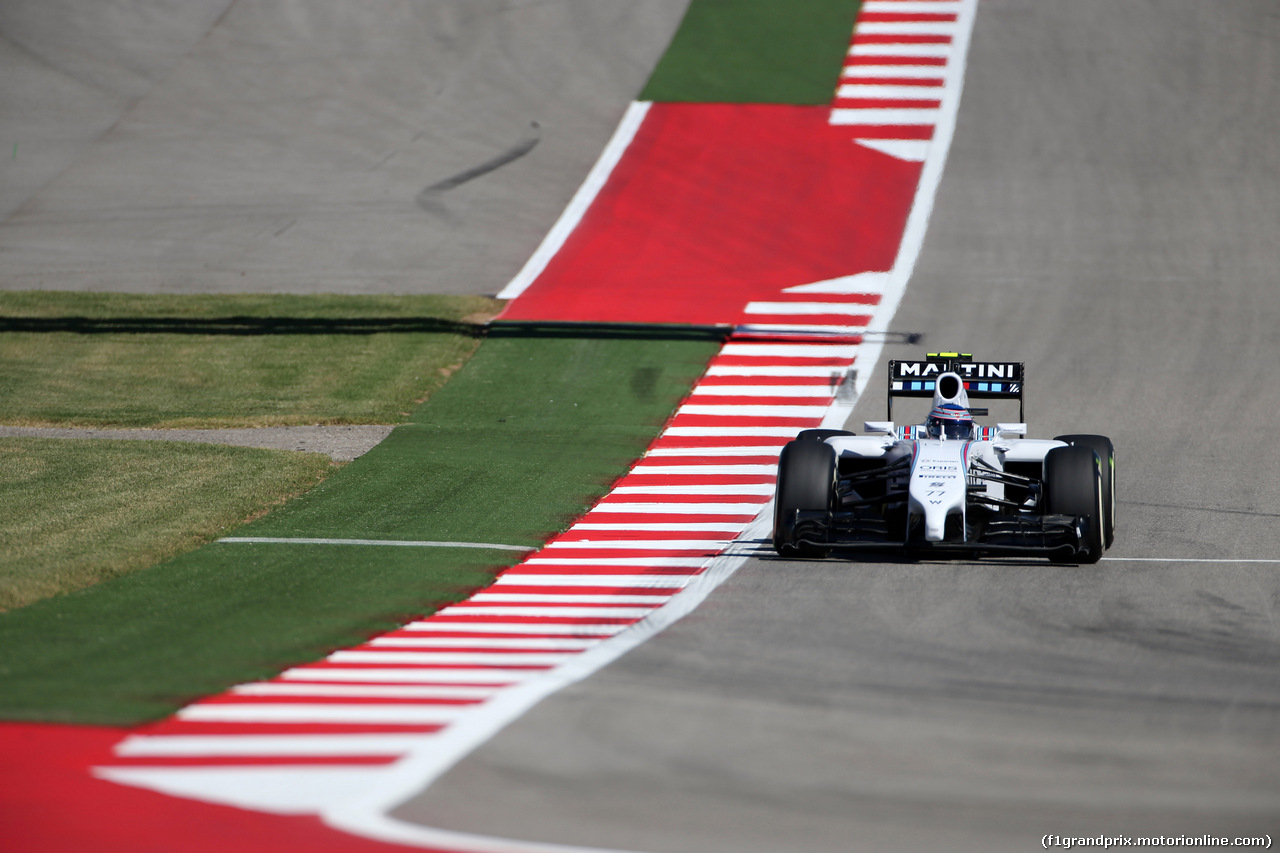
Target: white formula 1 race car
pixel 949 486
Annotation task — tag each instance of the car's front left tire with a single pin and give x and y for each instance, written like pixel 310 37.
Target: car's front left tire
pixel 806 482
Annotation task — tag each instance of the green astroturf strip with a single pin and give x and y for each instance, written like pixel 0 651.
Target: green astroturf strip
pixel 756 52
pixel 530 432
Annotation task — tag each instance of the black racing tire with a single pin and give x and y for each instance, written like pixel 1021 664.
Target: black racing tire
pixel 821 434
pixel 806 481
pixel 1106 451
pixel 1073 486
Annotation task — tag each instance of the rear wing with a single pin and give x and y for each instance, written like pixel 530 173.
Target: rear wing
pixel 983 380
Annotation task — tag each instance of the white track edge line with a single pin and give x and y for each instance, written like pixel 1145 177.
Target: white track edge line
pixel 1185 560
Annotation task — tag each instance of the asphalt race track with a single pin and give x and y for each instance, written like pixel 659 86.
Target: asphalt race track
pixel 304 146
pixel 1107 216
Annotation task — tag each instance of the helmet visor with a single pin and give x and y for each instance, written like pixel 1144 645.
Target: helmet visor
pixel 955 430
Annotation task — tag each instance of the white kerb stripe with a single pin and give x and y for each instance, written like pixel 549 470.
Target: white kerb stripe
pixel 656 562
pixel 547 612
pixel 550 644
pixel 817 389
pixel 905 28
pixel 564 598
pixel 281 789
pixel 711 470
pixel 732 411
pixel 373 675
pixel 801 329
pixel 912 150
pixel 932 51
pixel 677 508
pixel 638 544
pixel 806 370
pixel 765 450
pixel 500 627
pixel 409 676
pixel 366 691
pixel 196 746
pixel 923 72
pixel 846 351
pixel 875 117
pixel 817 307
pixel 911 7
pixel 697 489
pixel 453 658
pixel 324 713
pixel 729 529
pixel 731 432
pixel 608 581
pixel 885 93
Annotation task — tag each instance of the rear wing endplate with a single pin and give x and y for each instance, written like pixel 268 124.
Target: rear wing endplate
pixel 983 380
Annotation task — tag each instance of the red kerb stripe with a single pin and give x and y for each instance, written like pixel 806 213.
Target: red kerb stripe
pixel 939 61
pixel 375 759
pixel 883 104
pixel 907 17
pixel 921 82
pixel 173 726
pixel 891 131
pixel 236 699
pixel 901 39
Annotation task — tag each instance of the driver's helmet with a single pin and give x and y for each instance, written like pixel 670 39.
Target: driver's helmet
pixel 949 420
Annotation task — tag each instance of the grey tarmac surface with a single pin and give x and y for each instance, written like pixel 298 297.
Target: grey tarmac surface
pixel 303 146
pixel 1108 216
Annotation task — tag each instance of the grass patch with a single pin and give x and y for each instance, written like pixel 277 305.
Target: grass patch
pixel 528 434
pixel 756 52
pixel 520 443
pixel 140 647
pixel 79 512
pixel 183 361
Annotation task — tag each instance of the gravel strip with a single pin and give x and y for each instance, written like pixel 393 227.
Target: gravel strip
pixel 339 443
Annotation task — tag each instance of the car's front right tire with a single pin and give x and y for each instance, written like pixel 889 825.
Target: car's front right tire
pixel 1073 486
pixel 1106 451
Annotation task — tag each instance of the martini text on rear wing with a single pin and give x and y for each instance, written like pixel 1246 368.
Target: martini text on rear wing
pixel 983 380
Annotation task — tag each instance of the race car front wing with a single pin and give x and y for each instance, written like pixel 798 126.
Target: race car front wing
pixel 1003 535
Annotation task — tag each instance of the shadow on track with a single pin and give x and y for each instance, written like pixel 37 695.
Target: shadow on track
pixel 240 325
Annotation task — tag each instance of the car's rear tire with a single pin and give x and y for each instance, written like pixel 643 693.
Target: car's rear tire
pixel 1106 451
pixel 806 481
pixel 1073 486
